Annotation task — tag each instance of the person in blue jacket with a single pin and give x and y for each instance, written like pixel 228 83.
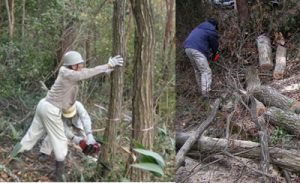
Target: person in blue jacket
pixel 199 45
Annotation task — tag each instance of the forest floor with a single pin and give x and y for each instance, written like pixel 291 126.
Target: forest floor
pixel 27 167
pixel 228 74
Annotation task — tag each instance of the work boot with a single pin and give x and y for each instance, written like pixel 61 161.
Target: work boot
pixel 205 96
pixel 43 157
pixel 59 171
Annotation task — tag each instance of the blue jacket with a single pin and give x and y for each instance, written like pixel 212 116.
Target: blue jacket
pixel 203 38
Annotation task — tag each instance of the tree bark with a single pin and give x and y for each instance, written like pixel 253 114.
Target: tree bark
pixel 280 64
pixel 284 119
pixel 271 97
pixel 23 17
pixel 243 11
pixel 196 134
pixel 263 137
pixel 288 159
pixel 142 104
pixel 168 37
pixel 265 52
pixel 253 82
pixel 10 8
pixel 108 153
pixel 252 79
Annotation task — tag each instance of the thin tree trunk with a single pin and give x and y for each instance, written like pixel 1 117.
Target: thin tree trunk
pixel 263 137
pixel 143 121
pixel 108 154
pixel 23 18
pixel 11 18
pixel 243 11
pixel 196 134
pixel 168 37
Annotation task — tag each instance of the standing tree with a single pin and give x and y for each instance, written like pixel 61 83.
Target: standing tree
pixel 10 8
pixel 142 121
pixel 114 113
pixel 243 11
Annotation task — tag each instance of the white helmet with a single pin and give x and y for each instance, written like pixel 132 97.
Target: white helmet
pixel 72 58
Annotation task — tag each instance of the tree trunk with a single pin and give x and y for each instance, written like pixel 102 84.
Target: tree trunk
pixel 10 8
pixel 284 119
pixel 288 159
pixel 168 37
pixel 280 64
pixel 243 11
pixel 271 97
pixel 142 104
pixel 196 134
pixel 23 17
pixel 265 52
pixel 108 153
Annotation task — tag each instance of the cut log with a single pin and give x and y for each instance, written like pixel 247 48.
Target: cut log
pixel 284 119
pixel 252 79
pixel 196 134
pixel 253 82
pixel 264 52
pixel 280 64
pixel 271 97
pixel 287 159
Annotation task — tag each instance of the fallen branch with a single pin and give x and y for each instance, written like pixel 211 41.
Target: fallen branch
pixel 253 169
pixel 9 172
pixel 287 159
pixel 263 137
pixel 196 134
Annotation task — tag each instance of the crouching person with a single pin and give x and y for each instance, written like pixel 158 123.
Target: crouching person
pixel 78 129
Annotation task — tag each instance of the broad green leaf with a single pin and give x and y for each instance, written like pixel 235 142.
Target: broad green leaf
pixel 152 154
pixel 149 167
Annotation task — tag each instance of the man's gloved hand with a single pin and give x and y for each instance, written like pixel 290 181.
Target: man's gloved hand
pixel 89 149
pixel 90 139
pixel 216 57
pixel 115 61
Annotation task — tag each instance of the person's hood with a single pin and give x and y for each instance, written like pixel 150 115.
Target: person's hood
pixel 207 25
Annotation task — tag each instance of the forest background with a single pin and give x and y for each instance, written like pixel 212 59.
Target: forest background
pixel 35 34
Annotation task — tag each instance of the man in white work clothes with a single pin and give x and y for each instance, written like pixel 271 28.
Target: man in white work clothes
pixel 77 120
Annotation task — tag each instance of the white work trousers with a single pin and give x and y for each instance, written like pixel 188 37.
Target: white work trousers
pixel 47 147
pixel 48 120
pixel 201 68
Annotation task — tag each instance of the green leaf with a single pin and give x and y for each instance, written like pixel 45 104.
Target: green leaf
pixel 149 167
pixel 152 154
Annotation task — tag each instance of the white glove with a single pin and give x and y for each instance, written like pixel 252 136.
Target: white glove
pixel 114 61
pixel 90 139
pixel 76 140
